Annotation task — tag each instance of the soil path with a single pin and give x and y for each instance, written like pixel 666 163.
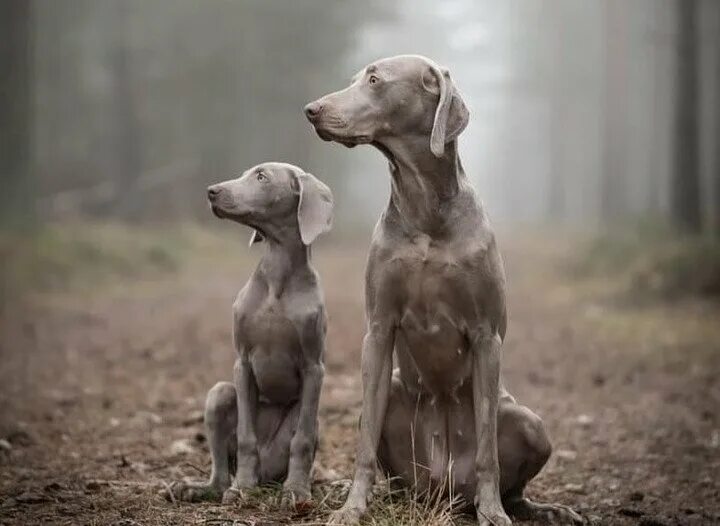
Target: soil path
pixel 100 394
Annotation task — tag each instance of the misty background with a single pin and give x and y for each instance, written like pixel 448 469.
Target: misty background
pixel 594 143
pixel 582 112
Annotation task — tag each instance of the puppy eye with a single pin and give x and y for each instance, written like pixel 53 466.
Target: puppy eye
pixel 261 176
pixel 373 79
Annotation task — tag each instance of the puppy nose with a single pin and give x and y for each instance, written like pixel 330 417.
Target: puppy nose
pixel 312 110
pixel 213 192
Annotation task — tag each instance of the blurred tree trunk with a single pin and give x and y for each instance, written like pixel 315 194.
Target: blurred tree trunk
pixel 556 201
pixel 685 190
pixel 16 195
pixel 613 205
pixel 716 168
pixel 555 87
pixel 128 160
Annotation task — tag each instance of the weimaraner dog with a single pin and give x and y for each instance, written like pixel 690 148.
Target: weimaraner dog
pixel 265 421
pixel 435 295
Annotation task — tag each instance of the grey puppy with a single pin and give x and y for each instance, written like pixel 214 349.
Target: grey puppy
pixel 265 421
pixel 435 298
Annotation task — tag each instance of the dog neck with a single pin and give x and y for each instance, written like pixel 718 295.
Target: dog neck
pixel 284 255
pixel 422 184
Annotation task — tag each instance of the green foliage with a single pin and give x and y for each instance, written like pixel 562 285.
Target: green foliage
pixel 654 260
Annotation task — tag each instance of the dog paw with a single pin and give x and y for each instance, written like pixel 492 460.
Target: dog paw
pixel 524 509
pixel 294 495
pixel 190 492
pixel 560 514
pixel 489 515
pixel 237 497
pixel 345 516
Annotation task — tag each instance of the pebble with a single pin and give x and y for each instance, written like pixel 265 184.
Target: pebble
pixel 566 454
pixel 181 447
pixel 196 417
pixel 575 488
pixel 585 420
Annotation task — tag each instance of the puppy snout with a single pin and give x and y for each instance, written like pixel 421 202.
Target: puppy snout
pixel 313 110
pixel 213 192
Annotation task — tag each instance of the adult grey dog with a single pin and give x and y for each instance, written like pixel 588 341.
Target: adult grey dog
pixel 265 421
pixel 435 295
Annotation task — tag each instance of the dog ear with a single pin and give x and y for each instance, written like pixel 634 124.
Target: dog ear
pixel 256 237
pixel 315 206
pixel 451 114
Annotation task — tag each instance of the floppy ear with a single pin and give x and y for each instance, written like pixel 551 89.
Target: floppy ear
pixel 315 207
pixel 256 237
pixel 451 114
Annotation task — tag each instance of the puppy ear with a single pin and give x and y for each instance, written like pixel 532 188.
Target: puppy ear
pixel 315 208
pixel 451 114
pixel 256 237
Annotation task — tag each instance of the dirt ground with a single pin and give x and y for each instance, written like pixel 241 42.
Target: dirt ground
pixel 101 393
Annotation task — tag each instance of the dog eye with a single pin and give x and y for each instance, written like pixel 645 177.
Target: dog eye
pixel 261 176
pixel 373 79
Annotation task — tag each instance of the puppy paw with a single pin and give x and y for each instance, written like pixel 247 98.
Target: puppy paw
pixel 191 492
pixel 237 497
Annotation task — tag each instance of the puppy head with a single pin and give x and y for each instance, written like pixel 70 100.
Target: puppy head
pixel 273 197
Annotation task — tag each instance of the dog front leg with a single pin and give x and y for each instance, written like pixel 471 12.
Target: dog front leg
pixel 485 381
pixel 248 462
pixel 376 378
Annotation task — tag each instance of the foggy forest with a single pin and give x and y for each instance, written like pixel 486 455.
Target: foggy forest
pixel 593 143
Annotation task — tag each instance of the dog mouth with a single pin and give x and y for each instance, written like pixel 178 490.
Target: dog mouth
pixel 217 211
pixel 233 214
pixel 349 140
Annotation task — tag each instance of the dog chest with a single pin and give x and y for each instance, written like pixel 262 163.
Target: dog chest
pixel 437 297
pixel 435 278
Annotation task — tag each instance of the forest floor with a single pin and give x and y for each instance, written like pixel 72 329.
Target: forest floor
pixel 102 387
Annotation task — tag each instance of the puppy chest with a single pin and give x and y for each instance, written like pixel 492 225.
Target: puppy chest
pixel 274 351
pixel 268 327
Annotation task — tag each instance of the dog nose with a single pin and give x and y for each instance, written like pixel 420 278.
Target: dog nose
pixel 312 110
pixel 213 192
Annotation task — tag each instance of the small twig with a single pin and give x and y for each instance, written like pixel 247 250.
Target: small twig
pixel 217 520
pixel 169 492
pixel 130 483
pixel 196 468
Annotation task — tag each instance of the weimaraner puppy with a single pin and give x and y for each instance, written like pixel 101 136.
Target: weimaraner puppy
pixel 265 421
pixel 435 295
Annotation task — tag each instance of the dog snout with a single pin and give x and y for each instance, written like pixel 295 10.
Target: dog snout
pixel 213 192
pixel 313 110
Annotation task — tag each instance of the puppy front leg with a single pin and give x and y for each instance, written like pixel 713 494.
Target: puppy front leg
pixel 302 446
pixel 248 462
pixel 297 485
pixel 485 381
pixel 376 378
